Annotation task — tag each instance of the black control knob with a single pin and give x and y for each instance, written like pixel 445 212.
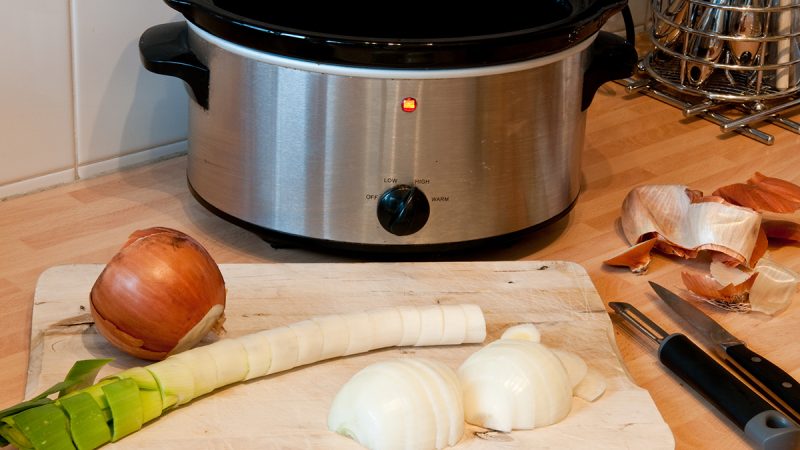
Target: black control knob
pixel 403 210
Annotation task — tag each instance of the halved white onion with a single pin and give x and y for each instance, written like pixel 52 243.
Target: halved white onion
pixel 523 331
pixel 575 365
pixel 450 389
pixel 402 404
pixel 515 384
pixel 591 387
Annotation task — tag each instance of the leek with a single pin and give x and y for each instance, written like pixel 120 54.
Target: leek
pixel 45 427
pixel 82 374
pixel 126 407
pixel 87 422
pixel 87 415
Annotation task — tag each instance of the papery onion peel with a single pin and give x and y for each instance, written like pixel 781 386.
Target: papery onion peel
pixel 782 229
pixel 682 222
pixel 735 224
pixel 763 193
pixel 636 258
pixel 706 286
pixel 159 295
pixel 767 288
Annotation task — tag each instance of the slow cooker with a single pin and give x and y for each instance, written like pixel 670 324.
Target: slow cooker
pixel 407 130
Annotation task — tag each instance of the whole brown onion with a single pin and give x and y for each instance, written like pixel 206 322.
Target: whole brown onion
pixel 159 295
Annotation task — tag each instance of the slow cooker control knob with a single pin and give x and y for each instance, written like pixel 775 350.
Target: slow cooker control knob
pixel 403 210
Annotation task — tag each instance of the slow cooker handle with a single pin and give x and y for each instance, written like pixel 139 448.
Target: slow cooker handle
pixel 165 50
pixel 611 58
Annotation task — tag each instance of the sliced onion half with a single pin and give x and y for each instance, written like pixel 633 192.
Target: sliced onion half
pixel 518 383
pixel 514 384
pixel 402 404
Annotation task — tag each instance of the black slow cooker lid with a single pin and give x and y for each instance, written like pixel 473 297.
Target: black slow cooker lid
pixel 404 35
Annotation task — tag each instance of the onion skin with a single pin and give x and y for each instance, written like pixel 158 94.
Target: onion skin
pixel 157 288
pixel 636 258
pixel 707 287
pixel 763 193
pixel 782 229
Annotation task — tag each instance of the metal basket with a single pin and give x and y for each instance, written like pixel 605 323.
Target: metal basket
pixel 726 50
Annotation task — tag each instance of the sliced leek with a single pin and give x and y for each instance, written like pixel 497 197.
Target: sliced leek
pixel 361 333
pixel 204 377
pixel 259 354
pixel 87 423
pixel 230 358
pixel 309 347
pixel 387 327
pixel 476 324
pixel 283 347
pixel 431 325
pixel 45 427
pixel 126 407
pixel 87 415
pixel 454 325
pixel 175 381
pixel 335 335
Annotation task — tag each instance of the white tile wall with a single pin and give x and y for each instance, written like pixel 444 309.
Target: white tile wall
pixel 35 101
pixel 74 98
pixel 120 108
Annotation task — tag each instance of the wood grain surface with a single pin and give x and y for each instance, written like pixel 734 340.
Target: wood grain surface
pixel 630 140
pixel 558 297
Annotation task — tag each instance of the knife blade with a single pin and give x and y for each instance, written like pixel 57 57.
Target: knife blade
pixel 762 425
pixel 773 381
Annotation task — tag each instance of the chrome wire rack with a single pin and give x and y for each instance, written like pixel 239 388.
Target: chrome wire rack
pixel 733 62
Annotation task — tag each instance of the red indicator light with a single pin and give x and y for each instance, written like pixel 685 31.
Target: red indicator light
pixel 409 104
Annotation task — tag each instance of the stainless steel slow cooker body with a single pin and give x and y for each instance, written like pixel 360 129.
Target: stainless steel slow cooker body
pixel 384 157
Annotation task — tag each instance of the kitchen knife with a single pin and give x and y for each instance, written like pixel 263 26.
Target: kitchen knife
pixel 773 381
pixel 765 427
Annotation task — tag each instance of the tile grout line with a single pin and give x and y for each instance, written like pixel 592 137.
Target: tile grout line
pixel 73 73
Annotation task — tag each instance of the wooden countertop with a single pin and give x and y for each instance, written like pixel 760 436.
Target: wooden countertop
pixel 630 140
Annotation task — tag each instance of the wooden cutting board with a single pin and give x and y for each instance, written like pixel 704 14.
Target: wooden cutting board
pixel 289 410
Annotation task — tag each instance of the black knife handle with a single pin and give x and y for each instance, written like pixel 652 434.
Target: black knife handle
pixel 764 426
pixel 761 370
pixel 711 380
